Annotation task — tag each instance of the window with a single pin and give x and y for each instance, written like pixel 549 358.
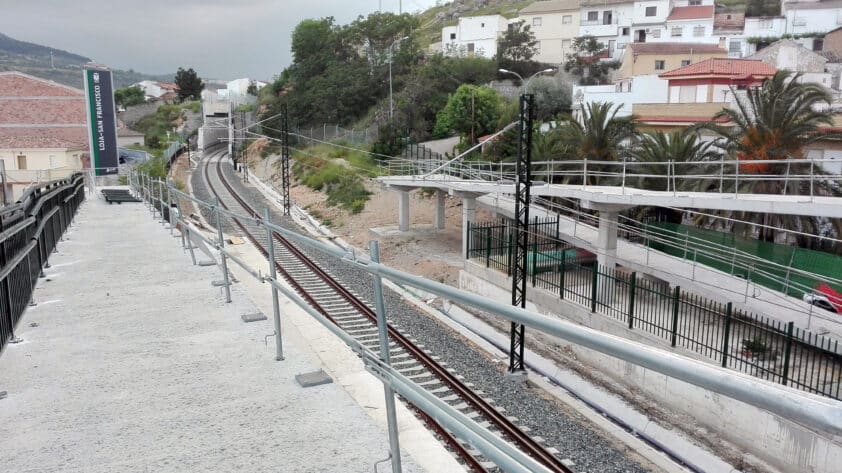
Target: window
pixel 470 48
pixel 676 31
pixel 695 3
pixel 685 62
pixel 567 19
pixel 537 46
pixel 651 11
pixel 818 44
pixel 735 47
pixel 593 16
pixel 624 31
pixel 536 21
pixel 482 25
pixel 698 31
pixel 659 64
pixel 565 44
pixel 607 17
pixel 656 33
pixel 453 36
pixel 21 162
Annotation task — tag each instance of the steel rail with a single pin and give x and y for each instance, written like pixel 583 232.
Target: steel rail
pixel 524 441
pixel 431 423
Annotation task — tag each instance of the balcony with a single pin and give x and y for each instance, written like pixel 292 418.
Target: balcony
pixel 677 112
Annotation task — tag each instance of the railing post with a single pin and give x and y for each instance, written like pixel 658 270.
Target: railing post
pixel 585 174
pixel 632 290
pixel 812 164
pixel 594 277
pixel 534 262
pixel 561 278
pixel 726 336
pixel 276 307
pixel 380 308
pixel 676 301
pixel 221 243
pixel 488 247
pixel 787 352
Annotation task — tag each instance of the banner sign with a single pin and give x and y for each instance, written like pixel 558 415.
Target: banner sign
pixel 102 121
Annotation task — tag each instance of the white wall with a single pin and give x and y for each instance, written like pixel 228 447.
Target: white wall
pixel 621 17
pixel 662 11
pixel 644 89
pixel 688 32
pixel 812 21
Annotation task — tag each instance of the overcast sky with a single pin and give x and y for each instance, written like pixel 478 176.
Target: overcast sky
pixel 222 39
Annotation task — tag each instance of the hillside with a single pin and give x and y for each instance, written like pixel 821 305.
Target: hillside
pixel 435 18
pixel 63 67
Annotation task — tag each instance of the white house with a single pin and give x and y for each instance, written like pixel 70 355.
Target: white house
pixel 555 23
pixel 647 89
pixel 239 87
pixel 812 17
pixel 153 90
pixel 690 24
pixel 474 35
pixel 609 21
pixel 648 19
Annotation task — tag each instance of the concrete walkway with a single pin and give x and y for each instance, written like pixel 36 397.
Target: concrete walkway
pixel 133 362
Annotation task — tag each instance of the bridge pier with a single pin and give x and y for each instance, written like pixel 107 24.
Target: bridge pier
pixel 439 219
pixel 469 215
pixel 403 210
pixel 606 247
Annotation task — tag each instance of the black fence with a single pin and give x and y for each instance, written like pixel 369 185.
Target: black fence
pixel 29 232
pixel 762 347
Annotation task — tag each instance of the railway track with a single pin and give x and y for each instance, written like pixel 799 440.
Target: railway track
pixel 350 312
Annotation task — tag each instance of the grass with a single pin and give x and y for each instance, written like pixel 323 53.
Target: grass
pixel 338 172
pixel 194 106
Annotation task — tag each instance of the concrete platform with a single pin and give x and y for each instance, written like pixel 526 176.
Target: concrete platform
pixel 133 362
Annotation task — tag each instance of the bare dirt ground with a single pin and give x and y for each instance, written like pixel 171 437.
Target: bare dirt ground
pixel 180 172
pixel 434 254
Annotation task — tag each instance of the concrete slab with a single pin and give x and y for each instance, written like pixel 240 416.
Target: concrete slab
pixel 137 364
pixel 256 317
pixel 316 378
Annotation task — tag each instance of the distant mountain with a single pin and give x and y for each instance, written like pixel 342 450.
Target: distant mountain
pixel 58 65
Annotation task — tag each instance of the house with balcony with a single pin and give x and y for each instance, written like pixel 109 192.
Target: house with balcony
pixel 555 23
pixel 474 36
pixel 638 76
pixel 609 21
pixel 690 24
pixel 696 92
pixel 648 20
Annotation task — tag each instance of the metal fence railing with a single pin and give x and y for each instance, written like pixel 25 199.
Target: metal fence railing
pixel 766 348
pixel 29 232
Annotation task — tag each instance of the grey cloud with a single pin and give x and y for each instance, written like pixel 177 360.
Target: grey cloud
pixel 218 38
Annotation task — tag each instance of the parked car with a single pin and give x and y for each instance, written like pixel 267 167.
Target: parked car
pixel 825 297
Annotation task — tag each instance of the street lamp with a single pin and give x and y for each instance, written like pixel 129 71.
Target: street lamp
pixel 525 84
pixel 391 103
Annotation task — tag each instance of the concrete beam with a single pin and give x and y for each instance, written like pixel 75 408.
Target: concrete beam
pixel 439 222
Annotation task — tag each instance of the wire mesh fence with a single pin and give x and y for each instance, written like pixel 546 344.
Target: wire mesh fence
pixel 762 347
pixel 29 232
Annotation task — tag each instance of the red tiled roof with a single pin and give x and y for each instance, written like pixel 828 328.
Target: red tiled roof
pixel 36 113
pixel 723 67
pixel 43 111
pixel 691 13
pixel 16 84
pixel 167 85
pixel 675 48
pixel 29 138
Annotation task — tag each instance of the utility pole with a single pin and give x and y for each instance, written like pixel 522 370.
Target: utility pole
pixel 523 182
pixel 285 160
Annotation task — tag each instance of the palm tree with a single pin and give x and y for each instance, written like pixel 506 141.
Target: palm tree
pixel 678 147
pixel 776 121
pixel 599 135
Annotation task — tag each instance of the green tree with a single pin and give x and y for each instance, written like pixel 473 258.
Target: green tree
pixel 678 147
pixel 552 96
pixel 471 111
pixel 129 96
pixel 252 88
pixel 586 62
pixel 777 121
pixel 598 135
pixel 189 84
pixel 517 44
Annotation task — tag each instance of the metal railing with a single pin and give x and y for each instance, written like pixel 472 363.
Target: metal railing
pixel 798 177
pixel 810 411
pixel 762 347
pixel 29 232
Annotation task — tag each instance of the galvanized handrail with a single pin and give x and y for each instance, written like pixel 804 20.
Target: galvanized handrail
pixel 813 411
